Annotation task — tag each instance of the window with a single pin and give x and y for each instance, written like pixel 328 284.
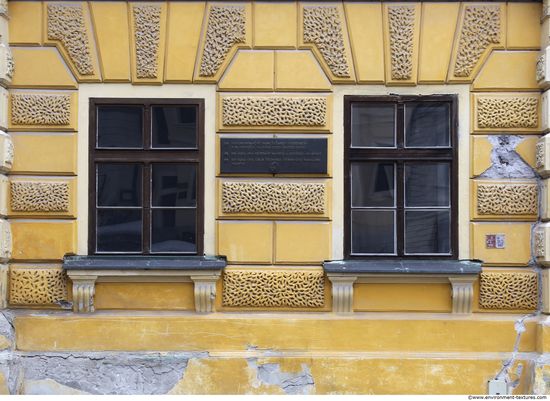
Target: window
pixel 146 176
pixel 400 177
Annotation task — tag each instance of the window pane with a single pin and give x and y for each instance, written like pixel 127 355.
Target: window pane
pixel 372 231
pixel 427 184
pixel 427 124
pixel 118 184
pixel 372 184
pixel 427 231
pixel 174 230
pixel 174 127
pixel 119 127
pixel 118 230
pixel 174 185
pixel 372 125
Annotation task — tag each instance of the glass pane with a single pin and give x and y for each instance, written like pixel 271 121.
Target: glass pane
pixel 119 127
pixel 174 230
pixel 372 231
pixel 427 231
pixel 427 184
pixel 174 185
pixel 372 184
pixel 118 184
pixel 119 230
pixel 372 125
pixel 427 124
pixel 174 127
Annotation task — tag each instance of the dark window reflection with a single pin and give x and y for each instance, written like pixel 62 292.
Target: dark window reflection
pixel 427 184
pixel 174 185
pixel 120 127
pixel 427 124
pixel 373 231
pixel 372 184
pixel 119 230
pixel 174 127
pixel 427 232
pixel 119 184
pixel 372 125
pixel 174 230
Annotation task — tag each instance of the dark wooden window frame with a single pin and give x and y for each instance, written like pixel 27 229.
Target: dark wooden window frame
pixel 146 156
pixel 399 155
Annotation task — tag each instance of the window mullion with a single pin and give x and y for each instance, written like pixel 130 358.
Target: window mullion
pixel 146 226
pixel 400 214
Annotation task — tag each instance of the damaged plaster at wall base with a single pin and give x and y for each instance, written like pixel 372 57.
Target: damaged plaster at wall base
pixel 300 383
pixel 506 162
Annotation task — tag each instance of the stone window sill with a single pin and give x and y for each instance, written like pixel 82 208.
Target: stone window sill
pixel 343 274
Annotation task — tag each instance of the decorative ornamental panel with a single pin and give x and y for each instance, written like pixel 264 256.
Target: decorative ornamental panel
pixel 508 290
pixel 540 241
pixel 147 39
pixel 40 109
pixel 507 199
pixel 226 28
pixel 66 24
pixel 401 27
pixel 273 198
pixel 541 67
pixel 323 27
pixel 507 112
pixel 274 111
pixel 295 289
pixel 480 29
pixel 30 196
pixel 37 286
pixel 539 155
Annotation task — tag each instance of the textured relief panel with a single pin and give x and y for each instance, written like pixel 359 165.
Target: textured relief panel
pixel 507 199
pixel 511 112
pixel 66 24
pixel 5 240
pixel 508 291
pixel 30 196
pixel 481 28
pixel 274 111
pixel 273 289
pixel 323 27
pixel 226 27
pixel 541 64
pixel 539 155
pixel 10 63
pixel 40 109
pixel 540 247
pixel 253 197
pixel 147 38
pixel 37 286
pixel 401 27
pixel 4 7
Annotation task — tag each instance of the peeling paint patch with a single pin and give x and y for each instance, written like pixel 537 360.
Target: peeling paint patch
pixel 300 383
pixel 506 162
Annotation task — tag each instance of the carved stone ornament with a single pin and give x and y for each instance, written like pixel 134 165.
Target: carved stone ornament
pixel 508 290
pixel 226 28
pixel 507 199
pixel 6 153
pixel 273 198
pixel 541 67
pixel 31 196
pixel 508 112
pixel 539 163
pixel 5 240
pixel 66 23
pixel 540 241
pixel 295 289
pixel 323 27
pixel 40 109
pixel 274 111
pixel 480 29
pixel 147 38
pixel 4 7
pixel 44 286
pixel 401 26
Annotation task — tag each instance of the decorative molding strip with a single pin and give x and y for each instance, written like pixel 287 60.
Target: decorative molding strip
pixel 507 199
pixel 5 240
pixel 541 67
pixel 295 289
pixel 480 29
pixel 274 111
pixel 147 39
pixel 226 28
pixel 540 241
pixel 31 286
pixel 4 285
pixel 539 155
pixel 10 63
pixel 323 27
pixel 40 109
pixel 401 28
pixel 273 198
pixel 6 152
pixel 31 196
pixel 508 290
pixel 66 24
pixel 508 112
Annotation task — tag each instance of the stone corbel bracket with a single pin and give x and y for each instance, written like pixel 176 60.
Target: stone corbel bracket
pixel 85 272
pixel 345 274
